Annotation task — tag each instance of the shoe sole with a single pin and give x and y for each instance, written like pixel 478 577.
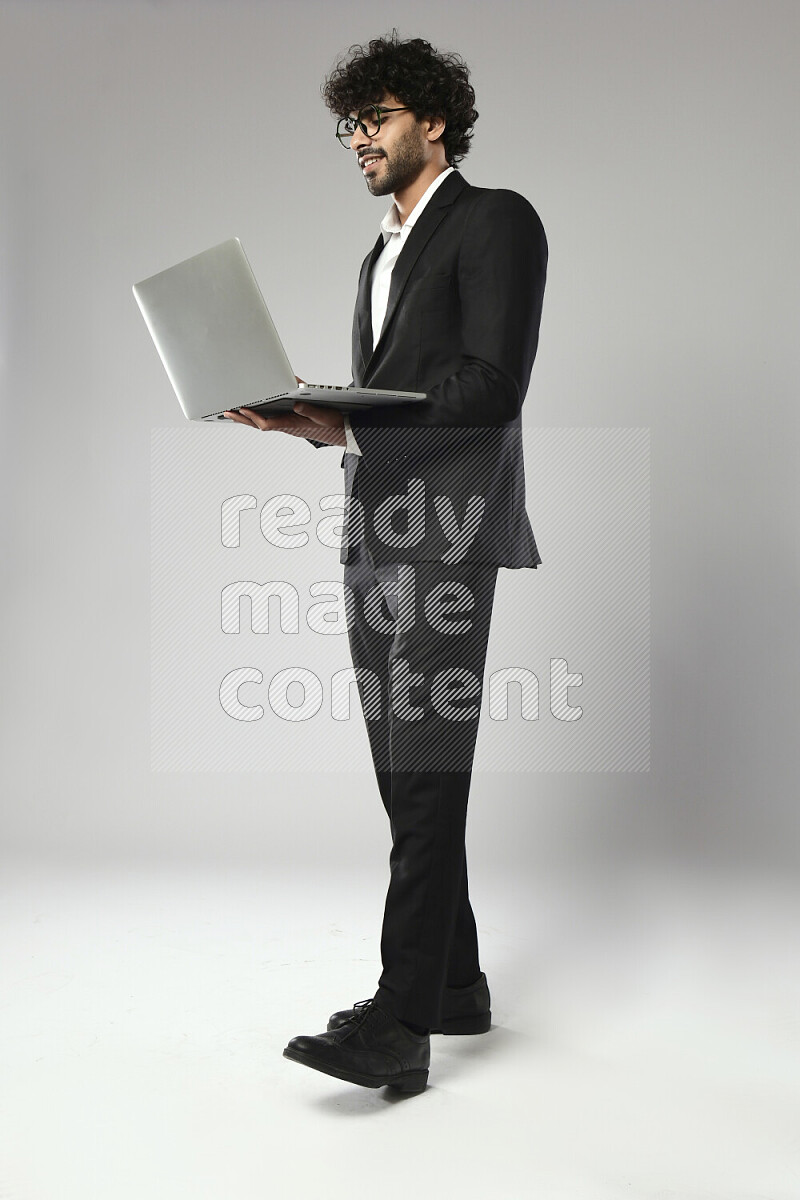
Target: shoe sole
pixel 479 1023
pixel 408 1081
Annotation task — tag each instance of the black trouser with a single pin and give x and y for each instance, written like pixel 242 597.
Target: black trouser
pixel 422 734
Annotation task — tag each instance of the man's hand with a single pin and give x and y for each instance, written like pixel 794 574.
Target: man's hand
pixel 308 421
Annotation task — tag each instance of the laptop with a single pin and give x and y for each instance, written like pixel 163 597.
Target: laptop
pixel 220 348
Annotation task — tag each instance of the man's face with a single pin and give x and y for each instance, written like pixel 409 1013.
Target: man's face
pixel 395 156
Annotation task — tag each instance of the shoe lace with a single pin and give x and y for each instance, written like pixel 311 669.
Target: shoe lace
pixel 362 1007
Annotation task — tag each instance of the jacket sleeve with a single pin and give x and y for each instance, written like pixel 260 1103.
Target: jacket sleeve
pixel 502 268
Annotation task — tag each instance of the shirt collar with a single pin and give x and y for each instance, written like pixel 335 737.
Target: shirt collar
pixel 391 222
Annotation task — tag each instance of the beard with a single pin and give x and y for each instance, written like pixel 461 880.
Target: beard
pixel 395 173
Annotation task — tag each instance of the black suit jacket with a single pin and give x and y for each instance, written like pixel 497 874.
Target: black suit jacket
pixel 462 325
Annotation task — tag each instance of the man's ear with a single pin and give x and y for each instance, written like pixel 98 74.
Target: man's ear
pixel 437 128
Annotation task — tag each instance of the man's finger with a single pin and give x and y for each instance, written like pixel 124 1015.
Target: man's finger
pixel 316 412
pixel 238 418
pixel 284 422
pixel 274 421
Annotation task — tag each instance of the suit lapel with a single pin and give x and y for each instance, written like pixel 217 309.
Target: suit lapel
pixel 363 305
pixel 431 217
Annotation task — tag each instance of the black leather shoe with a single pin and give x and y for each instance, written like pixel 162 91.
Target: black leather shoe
pixel 374 1049
pixel 464 1010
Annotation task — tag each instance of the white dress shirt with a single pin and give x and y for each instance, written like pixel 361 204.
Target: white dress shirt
pixel 395 236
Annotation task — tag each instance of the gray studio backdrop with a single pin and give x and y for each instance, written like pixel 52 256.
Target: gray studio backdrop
pixel 657 143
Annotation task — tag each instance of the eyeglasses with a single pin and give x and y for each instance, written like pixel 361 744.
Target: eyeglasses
pixel 368 121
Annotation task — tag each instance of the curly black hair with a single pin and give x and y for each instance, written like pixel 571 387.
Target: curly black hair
pixel 430 83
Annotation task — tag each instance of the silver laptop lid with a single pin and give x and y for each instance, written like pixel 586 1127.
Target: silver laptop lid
pixel 213 331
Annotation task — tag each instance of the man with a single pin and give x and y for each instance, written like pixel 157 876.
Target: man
pixel 449 303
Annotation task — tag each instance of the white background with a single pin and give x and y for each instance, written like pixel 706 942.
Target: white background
pixel 658 143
